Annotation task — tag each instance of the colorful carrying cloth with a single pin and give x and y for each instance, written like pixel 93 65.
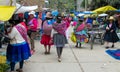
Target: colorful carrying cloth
pixel 60 27
pixel 22 31
pixel 47 28
pixel 114 53
pixel 80 27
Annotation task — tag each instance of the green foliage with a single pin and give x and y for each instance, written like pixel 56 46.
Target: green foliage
pixel 99 3
pixel 83 3
pixel 62 5
pixel 4 67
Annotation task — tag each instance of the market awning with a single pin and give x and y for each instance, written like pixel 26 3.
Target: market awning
pixel 103 14
pixel 6 12
pixel 104 9
pixel 22 9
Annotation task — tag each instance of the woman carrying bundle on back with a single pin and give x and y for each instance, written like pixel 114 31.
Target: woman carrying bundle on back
pixel 59 35
pixel 46 36
pixel 80 33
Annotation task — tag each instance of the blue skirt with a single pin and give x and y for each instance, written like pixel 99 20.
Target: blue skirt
pixel 18 52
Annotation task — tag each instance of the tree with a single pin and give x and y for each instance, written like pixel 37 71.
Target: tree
pixel 62 5
pixel 99 3
pixel 83 3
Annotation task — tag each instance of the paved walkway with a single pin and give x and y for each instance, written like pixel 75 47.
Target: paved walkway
pixel 73 60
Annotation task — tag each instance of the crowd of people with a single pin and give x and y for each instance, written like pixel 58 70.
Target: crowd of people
pixel 53 30
pixel 22 34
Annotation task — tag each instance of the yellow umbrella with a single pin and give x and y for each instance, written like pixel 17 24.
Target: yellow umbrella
pixel 6 12
pixel 104 9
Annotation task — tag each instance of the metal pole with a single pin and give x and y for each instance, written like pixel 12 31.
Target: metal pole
pixel 11 2
pixel 85 6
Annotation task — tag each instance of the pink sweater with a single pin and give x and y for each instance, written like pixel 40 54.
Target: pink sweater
pixel 33 24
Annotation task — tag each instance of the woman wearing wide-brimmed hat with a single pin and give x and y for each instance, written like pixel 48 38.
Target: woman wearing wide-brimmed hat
pixel 32 29
pixel 110 34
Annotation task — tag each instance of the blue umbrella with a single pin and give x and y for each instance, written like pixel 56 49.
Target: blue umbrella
pixel 76 13
pixel 118 10
pixel 88 12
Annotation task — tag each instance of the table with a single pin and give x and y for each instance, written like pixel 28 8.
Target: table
pixel 95 35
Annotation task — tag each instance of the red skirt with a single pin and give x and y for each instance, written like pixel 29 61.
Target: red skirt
pixel 45 40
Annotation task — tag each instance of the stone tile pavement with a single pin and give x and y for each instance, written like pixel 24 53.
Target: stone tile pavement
pixel 73 60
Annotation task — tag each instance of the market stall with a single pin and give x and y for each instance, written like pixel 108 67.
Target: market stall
pixel 7 9
pixel 104 9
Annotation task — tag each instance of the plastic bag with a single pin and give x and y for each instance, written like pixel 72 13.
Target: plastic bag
pixel 73 38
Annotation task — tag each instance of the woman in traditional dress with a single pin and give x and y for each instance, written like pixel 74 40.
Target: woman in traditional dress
pixel 59 35
pixel 110 34
pixel 32 29
pixel 80 32
pixel 46 36
pixel 18 50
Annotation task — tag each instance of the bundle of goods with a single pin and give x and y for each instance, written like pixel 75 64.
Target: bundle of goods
pixel 3 65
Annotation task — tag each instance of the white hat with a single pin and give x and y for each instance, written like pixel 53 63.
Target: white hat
pixel 32 12
pixel 111 18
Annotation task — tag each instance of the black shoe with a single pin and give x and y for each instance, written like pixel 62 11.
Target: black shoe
pixel 112 46
pixel 76 46
pixel 45 53
pixel 19 70
pixel 48 52
pixel 107 47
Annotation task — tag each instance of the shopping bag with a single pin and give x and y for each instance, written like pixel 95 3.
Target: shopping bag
pixel 73 38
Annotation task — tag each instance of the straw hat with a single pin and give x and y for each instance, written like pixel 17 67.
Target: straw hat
pixel 33 13
pixel 111 18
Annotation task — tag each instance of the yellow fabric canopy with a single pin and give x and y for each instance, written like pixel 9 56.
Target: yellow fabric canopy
pixel 104 9
pixel 6 12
